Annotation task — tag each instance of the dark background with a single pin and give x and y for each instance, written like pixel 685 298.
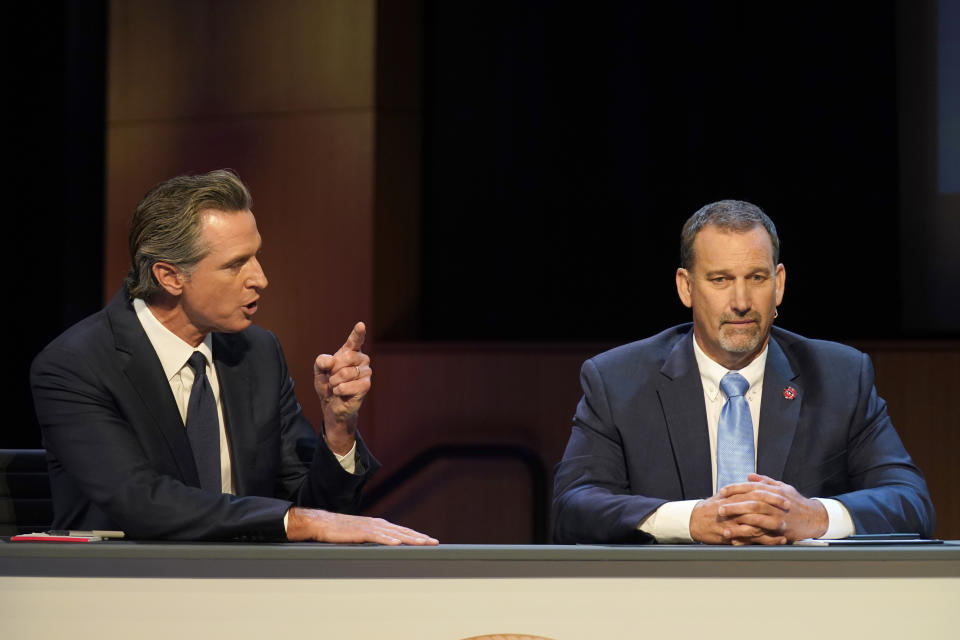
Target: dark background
pixel 55 63
pixel 560 169
pixel 563 147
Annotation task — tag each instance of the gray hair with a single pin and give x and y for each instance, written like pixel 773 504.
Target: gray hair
pixel 167 223
pixel 729 215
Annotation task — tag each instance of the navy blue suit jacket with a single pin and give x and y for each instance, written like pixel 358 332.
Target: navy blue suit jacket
pixel 640 438
pixel 118 453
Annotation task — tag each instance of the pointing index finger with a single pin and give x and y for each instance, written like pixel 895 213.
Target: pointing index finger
pixel 356 337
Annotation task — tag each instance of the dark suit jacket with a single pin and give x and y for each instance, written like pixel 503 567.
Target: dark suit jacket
pixel 640 439
pixel 118 452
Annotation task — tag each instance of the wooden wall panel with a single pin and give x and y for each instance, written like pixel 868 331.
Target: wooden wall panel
pixel 474 393
pixel 468 394
pixel 310 176
pixel 216 58
pixel 282 93
pixel 397 201
pixel 397 248
pixel 921 384
pixel 466 501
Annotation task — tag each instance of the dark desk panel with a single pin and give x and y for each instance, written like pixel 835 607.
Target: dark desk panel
pixel 311 560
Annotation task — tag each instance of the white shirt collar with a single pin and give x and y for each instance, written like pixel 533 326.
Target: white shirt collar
pixel 711 372
pixel 171 349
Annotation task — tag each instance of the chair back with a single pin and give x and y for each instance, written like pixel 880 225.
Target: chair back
pixel 25 502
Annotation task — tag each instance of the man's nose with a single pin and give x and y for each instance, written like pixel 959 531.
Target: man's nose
pixel 258 277
pixel 740 297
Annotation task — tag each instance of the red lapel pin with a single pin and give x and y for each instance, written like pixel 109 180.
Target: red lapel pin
pixel 789 393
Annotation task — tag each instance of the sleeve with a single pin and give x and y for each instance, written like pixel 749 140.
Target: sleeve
pixel 106 477
pixel 593 502
pixel 670 523
pixel 348 460
pixel 311 474
pixel 839 522
pixel 888 492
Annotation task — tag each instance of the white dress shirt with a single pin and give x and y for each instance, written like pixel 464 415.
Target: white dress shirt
pixel 671 522
pixel 174 354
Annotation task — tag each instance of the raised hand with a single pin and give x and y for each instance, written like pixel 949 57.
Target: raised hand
pixel 342 380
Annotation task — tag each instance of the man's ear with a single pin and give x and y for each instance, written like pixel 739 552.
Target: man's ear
pixel 685 287
pixel 169 277
pixel 780 280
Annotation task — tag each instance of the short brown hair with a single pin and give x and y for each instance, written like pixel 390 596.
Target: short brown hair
pixel 167 223
pixel 730 215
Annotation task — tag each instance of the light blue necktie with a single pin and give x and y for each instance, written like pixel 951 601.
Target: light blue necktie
pixel 735 433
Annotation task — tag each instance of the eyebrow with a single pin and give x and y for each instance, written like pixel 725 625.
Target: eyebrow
pixel 243 257
pixel 725 272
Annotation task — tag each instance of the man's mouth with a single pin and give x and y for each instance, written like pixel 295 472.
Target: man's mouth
pixel 739 322
pixel 251 307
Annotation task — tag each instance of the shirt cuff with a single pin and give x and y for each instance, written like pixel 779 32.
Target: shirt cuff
pixel 670 523
pixel 349 460
pixel 839 522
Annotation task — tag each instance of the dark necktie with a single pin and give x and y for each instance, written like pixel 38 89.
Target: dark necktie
pixel 203 428
pixel 735 457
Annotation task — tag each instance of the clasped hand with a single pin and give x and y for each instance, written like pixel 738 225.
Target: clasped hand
pixel 759 511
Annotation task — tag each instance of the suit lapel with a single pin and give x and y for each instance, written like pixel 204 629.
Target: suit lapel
pixel 146 377
pixel 681 397
pixel 236 393
pixel 779 412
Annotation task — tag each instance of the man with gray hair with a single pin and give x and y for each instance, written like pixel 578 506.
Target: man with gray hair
pixel 169 415
pixel 730 430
